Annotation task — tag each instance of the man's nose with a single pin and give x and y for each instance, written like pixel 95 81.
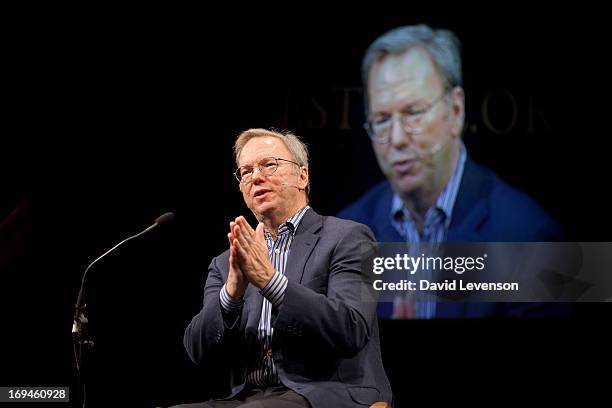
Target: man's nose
pixel 398 137
pixel 257 175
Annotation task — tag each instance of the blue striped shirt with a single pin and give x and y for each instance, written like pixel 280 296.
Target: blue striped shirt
pixel 435 226
pixel 263 373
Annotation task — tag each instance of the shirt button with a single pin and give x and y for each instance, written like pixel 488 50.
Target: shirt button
pixel 277 251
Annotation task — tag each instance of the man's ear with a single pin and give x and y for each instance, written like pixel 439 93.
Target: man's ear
pixel 303 178
pixel 457 111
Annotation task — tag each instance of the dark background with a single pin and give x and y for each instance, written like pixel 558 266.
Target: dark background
pixel 112 118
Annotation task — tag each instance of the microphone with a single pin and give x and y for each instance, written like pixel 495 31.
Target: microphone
pixel 285 184
pixel 428 154
pixel 159 221
pixel 435 149
pixel 164 218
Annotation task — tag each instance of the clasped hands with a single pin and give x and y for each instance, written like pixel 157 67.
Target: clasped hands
pixel 249 260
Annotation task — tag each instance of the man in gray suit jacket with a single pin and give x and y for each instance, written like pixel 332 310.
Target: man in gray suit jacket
pixel 285 320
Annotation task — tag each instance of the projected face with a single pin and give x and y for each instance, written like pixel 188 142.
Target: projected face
pixel 415 122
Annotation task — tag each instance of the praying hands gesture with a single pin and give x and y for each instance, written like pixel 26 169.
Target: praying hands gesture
pixel 249 259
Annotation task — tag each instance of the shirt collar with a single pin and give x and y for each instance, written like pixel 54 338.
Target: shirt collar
pixel 291 224
pixel 446 200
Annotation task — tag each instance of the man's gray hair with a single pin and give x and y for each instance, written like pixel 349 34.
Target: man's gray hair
pixel 443 47
pixel 297 148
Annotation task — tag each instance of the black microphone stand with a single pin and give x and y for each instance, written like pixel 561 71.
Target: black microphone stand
pixel 81 341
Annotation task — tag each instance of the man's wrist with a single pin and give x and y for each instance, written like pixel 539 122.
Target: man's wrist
pixel 228 303
pixel 275 289
pixel 236 289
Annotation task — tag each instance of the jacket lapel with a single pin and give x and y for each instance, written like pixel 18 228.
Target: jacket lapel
pixel 381 225
pixel 252 304
pixel 304 241
pixel 471 207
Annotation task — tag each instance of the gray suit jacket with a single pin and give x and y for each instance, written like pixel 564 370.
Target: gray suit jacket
pixel 325 343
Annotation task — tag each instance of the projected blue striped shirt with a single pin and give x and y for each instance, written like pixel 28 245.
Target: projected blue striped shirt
pixel 263 373
pixel 435 226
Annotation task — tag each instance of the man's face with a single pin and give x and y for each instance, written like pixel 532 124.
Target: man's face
pixel 403 84
pixel 277 195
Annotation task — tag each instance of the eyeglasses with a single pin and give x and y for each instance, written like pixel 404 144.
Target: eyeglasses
pixel 266 166
pixel 379 129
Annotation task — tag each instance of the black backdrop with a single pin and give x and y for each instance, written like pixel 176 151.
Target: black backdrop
pixel 111 119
